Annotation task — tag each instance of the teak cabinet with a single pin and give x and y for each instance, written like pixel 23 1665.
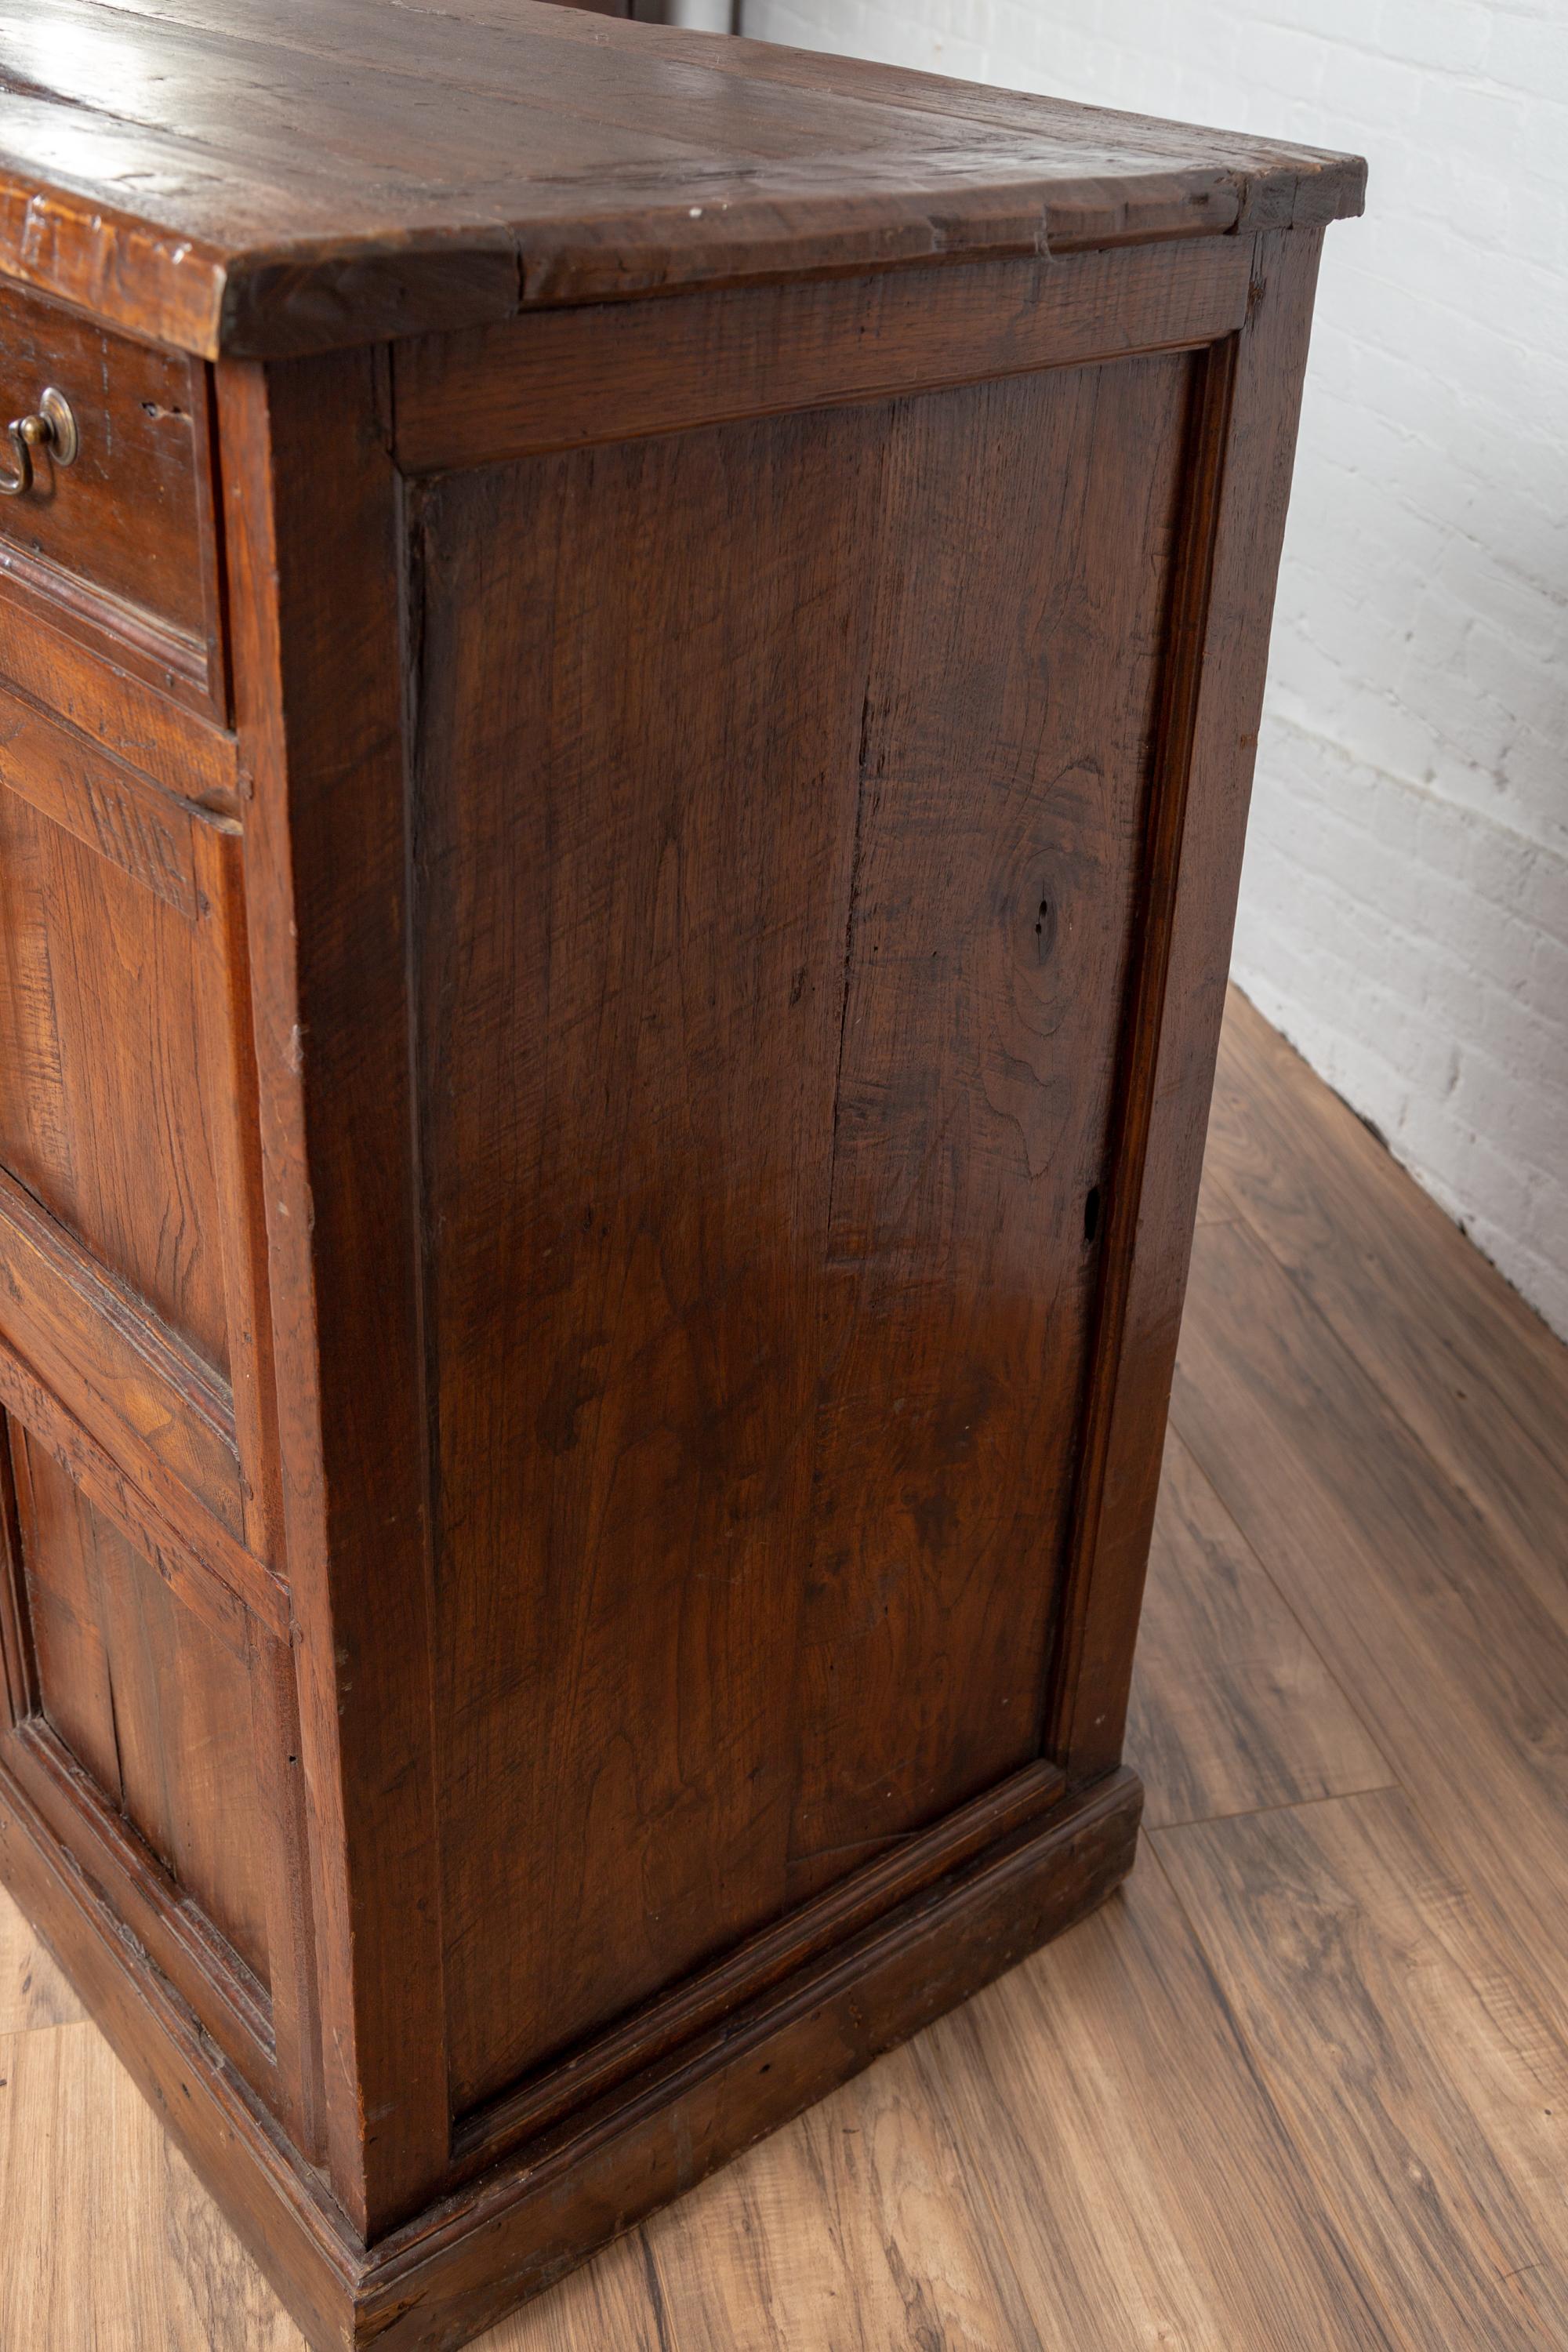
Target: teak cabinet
pixel 623 760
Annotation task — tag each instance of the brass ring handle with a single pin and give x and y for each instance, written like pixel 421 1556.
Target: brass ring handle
pixel 51 426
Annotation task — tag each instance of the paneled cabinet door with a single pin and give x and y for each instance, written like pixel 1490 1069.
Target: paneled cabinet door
pixel 130 1266
pixel 150 1725
pixel 147 1632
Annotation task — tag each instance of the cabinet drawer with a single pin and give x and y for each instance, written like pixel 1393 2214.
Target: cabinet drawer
pixel 119 544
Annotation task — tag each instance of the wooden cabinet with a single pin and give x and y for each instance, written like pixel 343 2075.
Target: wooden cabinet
pixel 623 758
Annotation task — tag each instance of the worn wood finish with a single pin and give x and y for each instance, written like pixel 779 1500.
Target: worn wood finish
pixel 134 1275
pixel 116 1369
pixel 143 728
pixel 911 1236
pixel 151 1699
pixel 758 1964
pixel 1244 441
pixel 1313 2103
pixel 557 381
pixel 118 547
pixel 594 1195
pixel 592 160
pixel 101 1115
pixel 313 502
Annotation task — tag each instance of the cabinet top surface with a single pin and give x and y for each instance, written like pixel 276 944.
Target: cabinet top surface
pixel 268 177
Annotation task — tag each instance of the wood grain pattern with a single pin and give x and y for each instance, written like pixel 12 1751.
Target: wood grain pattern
pixel 156 2267
pixel 854 2226
pixel 106 1854
pixel 558 379
pixel 1239 466
pixel 572 160
pixel 643 1192
pixel 118 547
pixel 848 1365
pixel 1233 1710
pixel 592 1203
pixel 1477 1377
pixel 33 1990
pixel 760 1962
pixel 1439 2143
pixel 1130 2161
pixel 148 1699
pixel 996 926
pixel 1355 1520
pixel 117 1369
pixel 126 819
pixel 101 1116
pixel 208 1566
pixel 1302 2109
pixel 202 2105
pixel 514 2231
pixel 327 895
pixel 141 728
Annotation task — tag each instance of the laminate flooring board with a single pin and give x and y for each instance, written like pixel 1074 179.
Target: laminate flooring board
pixel 857 2226
pixel 1416 1607
pixel 1233 1708
pixel 1456 1351
pixel 109 2244
pixel 1137 2173
pixel 609 2305
pixel 1340 1941
pixel 32 1992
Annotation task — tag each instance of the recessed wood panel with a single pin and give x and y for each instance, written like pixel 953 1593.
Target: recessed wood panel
pixel 1002 798
pixel 775 897
pixel 148 1699
pixel 101 981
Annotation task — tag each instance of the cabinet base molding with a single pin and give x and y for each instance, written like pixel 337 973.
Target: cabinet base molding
pixel 469 2257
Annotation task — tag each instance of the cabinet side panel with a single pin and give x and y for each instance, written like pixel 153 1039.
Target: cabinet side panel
pixel 780 789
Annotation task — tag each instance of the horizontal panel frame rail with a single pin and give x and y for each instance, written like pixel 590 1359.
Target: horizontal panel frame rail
pixel 686 2010
pixel 210 1570
pixel 571 378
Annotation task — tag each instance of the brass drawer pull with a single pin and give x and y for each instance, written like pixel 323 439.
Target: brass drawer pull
pixel 50 426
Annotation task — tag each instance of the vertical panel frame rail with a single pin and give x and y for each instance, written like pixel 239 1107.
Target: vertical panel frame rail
pixel 313 529
pixel 1245 407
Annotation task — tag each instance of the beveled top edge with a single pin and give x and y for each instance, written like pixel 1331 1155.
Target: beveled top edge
pixel 267 178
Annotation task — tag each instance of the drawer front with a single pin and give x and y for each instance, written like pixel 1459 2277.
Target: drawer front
pixel 131 1276
pixel 118 545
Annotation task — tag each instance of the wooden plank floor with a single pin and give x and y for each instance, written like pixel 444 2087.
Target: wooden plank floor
pixel 1303 2086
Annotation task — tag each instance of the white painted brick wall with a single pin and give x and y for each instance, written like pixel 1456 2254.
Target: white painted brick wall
pixel 1404 909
